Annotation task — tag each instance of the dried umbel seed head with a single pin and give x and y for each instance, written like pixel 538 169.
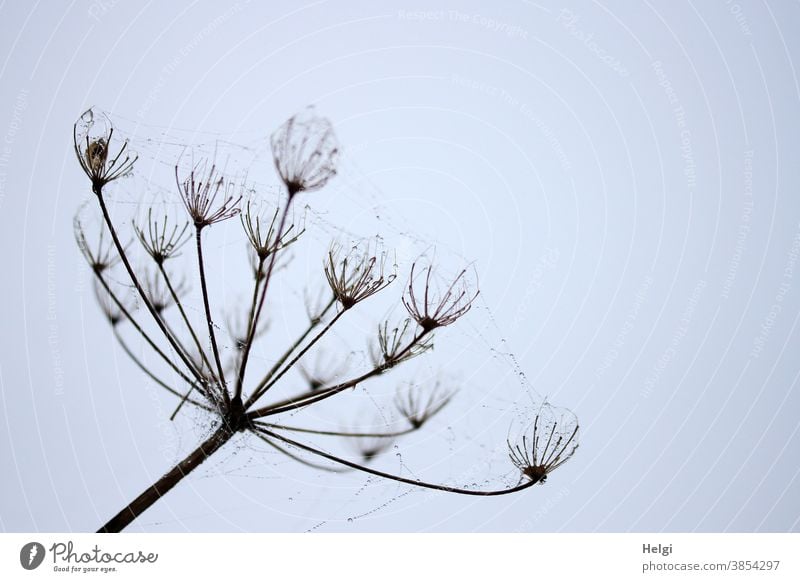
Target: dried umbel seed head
pixel 305 152
pixel 207 196
pixel 323 369
pixel 238 322
pixel 433 303
pixel 110 308
pixel 546 444
pixel 100 256
pixel 357 273
pixel 418 404
pixel 97 154
pixel 160 240
pixel 160 294
pixel 92 138
pixel 261 228
pixel 317 304
pixel 370 447
pixel 398 344
pixel 259 267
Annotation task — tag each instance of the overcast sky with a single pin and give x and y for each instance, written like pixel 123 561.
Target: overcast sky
pixel 623 179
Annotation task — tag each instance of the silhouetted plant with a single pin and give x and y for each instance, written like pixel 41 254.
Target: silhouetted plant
pixel 545 445
pixel 305 153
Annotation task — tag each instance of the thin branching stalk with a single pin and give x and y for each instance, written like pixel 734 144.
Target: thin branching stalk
pixel 254 325
pixel 390 434
pixel 211 334
pixel 312 397
pixel 135 280
pixel 328 326
pixel 125 348
pixel 140 331
pixel 251 328
pixel 399 479
pixel 298 458
pixel 287 354
pixel 179 304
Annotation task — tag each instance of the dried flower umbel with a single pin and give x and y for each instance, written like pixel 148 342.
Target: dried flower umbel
pixel 113 313
pixel 418 404
pixel 101 256
pixel 262 232
pixel 431 307
pixel 357 273
pixel 371 447
pixel 92 139
pixel 305 152
pixel 161 240
pixel 208 197
pixel 546 445
pixel 161 291
pixel 238 323
pixel 323 369
pixel 392 341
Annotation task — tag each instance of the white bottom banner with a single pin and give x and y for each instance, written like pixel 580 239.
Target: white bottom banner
pixel 401 557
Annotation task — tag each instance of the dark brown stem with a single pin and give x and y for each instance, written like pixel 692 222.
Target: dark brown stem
pixel 263 389
pixel 298 459
pixel 211 335
pixel 415 482
pixel 250 317
pixel 312 397
pixel 178 303
pixel 158 489
pixel 251 333
pixel 155 378
pixel 336 432
pixel 124 257
pixel 139 329
pixel 314 323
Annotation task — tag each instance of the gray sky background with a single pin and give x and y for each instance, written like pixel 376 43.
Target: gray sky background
pixel 623 177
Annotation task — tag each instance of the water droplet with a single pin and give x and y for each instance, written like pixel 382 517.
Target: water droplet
pixel 88 117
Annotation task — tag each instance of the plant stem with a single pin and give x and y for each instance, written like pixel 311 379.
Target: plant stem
pixel 336 432
pixel 397 478
pixel 314 396
pixel 178 303
pixel 211 335
pixel 123 255
pixel 141 332
pixel 158 489
pixel 261 390
pixel 254 322
pixel 250 318
pixel 272 371
pixel 153 377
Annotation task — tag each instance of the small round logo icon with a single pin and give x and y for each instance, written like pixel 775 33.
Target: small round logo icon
pixel 31 555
